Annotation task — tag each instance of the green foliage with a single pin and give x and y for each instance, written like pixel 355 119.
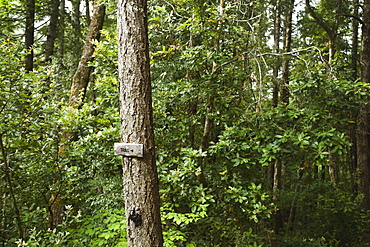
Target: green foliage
pixel 32 118
pixel 211 63
pixel 106 228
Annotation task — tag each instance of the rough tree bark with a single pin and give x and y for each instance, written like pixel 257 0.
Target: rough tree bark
pixel 141 192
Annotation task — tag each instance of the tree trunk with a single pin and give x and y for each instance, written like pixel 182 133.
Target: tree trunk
pixel 81 77
pixel 277 64
pixel 141 189
pixel 287 47
pixel 352 115
pixel 275 74
pixel 354 47
pixel 333 169
pixel 29 34
pixel 276 187
pixel 61 31
pixel 78 89
pixel 52 32
pixel 284 99
pixel 363 156
pixel 76 14
pixel 87 6
pixel 76 25
pixel 362 119
pixel 8 179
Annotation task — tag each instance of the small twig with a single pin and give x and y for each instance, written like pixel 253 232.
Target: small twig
pixel 174 10
pixel 266 54
pixel 254 17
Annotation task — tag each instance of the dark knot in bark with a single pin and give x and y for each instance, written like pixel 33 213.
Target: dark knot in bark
pixel 135 217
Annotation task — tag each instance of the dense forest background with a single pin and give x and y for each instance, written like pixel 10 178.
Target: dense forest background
pixel 260 112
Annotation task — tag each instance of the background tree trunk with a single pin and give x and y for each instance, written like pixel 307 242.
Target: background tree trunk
pixel 354 49
pixel 287 48
pixel 61 31
pixel 52 32
pixel 81 77
pixel 87 6
pixel 77 35
pixel 352 129
pixel 276 46
pixel 78 89
pixel 140 176
pixel 362 119
pixel 29 34
pixel 284 99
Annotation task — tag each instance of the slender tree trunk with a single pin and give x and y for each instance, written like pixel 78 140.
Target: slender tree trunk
pixel 208 125
pixel 52 32
pixel 287 48
pixel 276 187
pixel 276 68
pixel 29 34
pixel 78 90
pixel 76 14
pixel 87 5
pixel 76 35
pixel 333 169
pixel 9 182
pixel 274 169
pixel 61 31
pixel 293 206
pixel 81 77
pixel 363 156
pixel 353 158
pixel 354 47
pixel 141 192
pixel 192 112
pixel 204 143
pixel 362 119
pixel 277 64
pixel 208 120
pixel 352 115
pixel 284 99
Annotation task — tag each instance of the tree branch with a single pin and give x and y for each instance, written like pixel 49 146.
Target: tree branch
pixel 354 17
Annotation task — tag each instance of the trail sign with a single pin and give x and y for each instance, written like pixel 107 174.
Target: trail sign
pixel 129 149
